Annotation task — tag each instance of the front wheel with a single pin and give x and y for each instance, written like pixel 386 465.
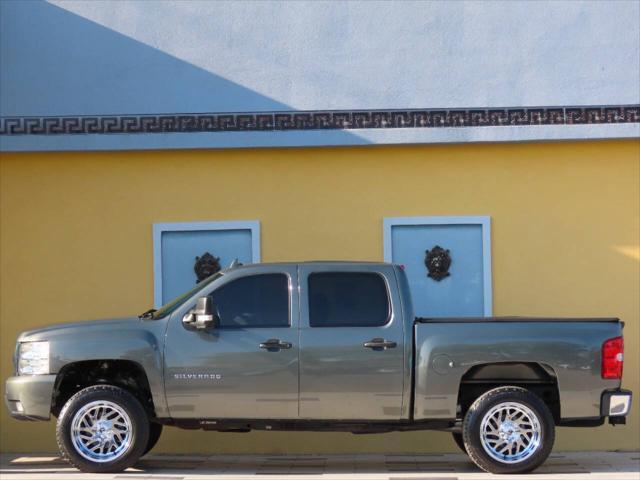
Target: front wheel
pixel 102 429
pixel 508 430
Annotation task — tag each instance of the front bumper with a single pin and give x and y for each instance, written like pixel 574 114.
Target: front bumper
pixel 616 405
pixel 29 397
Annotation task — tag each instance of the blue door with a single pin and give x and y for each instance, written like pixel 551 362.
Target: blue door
pixel 179 246
pixel 447 264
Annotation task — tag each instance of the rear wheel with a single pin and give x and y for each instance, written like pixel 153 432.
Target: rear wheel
pixel 102 429
pixel 508 430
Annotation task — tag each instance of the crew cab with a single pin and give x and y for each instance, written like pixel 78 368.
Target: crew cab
pixel 319 346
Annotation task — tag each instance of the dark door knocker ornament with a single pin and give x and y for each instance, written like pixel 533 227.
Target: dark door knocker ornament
pixel 205 266
pixel 437 260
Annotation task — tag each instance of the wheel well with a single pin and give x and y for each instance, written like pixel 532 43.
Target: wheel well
pixel 121 373
pixel 535 377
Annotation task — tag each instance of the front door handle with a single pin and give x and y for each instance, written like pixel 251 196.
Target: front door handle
pixel 379 344
pixel 274 344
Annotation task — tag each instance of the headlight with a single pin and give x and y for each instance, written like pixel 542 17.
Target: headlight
pixel 33 358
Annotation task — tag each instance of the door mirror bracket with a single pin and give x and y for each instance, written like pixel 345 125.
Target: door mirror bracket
pixel 201 317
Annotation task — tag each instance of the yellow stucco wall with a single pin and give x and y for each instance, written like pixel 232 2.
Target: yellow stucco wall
pixel 76 243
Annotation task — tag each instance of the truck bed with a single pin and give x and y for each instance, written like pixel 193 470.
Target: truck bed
pixel 446 349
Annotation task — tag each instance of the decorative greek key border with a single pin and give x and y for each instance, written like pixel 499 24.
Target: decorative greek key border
pixel 319 120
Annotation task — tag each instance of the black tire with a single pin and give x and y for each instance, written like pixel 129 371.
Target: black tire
pixel 136 414
pixel 457 437
pixel 471 431
pixel 155 430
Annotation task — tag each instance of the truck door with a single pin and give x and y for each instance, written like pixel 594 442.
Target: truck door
pixel 352 350
pixel 246 367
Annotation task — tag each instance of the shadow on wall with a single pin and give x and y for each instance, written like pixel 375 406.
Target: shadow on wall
pixel 55 63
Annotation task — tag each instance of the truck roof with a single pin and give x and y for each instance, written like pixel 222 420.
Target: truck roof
pixel 306 262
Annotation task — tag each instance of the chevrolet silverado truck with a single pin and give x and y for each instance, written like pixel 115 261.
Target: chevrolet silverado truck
pixel 319 346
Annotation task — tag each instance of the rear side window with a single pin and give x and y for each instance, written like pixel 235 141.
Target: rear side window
pixel 347 299
pixel 257 301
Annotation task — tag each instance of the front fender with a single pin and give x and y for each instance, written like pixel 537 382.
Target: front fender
pixel 136 340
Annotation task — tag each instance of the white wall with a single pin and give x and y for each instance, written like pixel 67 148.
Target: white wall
pixel 349 55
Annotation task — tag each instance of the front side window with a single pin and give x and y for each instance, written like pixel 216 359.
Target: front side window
pixel 256 301
pixel 347 299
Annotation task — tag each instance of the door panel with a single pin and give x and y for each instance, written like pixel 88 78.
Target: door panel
pixel 340 378
pixel 225 373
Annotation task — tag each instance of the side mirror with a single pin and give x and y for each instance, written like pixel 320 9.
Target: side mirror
pixel 201 317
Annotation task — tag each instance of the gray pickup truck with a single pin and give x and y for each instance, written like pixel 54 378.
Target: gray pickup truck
pixel 321 346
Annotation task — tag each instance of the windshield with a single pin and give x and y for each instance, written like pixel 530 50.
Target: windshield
pixel 169 307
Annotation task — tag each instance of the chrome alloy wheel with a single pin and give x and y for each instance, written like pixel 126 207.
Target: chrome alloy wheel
pixel 101 431
pixel 510 432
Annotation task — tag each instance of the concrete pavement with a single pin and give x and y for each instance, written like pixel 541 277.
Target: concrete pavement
pixel 560 466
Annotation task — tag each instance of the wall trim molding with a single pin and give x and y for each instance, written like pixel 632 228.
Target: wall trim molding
pixel 483 220
pixel 354 119
pixel 160 228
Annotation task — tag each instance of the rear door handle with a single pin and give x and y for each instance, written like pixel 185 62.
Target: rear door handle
pixel 379 344
pixel 275 344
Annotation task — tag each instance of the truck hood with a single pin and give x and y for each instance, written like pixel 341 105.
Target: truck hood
pixel 51 332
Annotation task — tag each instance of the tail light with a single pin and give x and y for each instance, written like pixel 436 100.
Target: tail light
pixel 612 358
